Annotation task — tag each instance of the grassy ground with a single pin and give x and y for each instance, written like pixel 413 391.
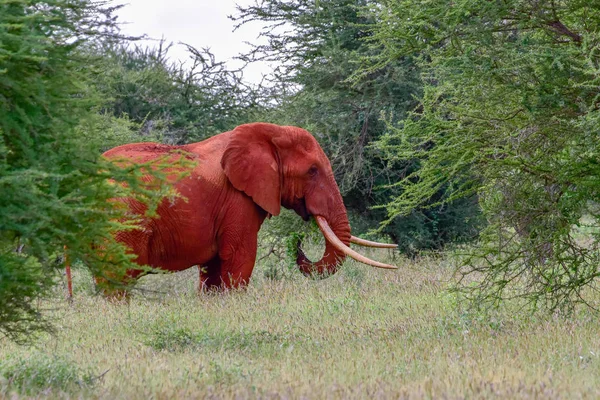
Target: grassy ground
pixel 363 333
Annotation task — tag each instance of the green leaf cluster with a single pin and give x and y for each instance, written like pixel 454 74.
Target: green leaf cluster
pixel 508 113
pixel 175 103
pixel 55 190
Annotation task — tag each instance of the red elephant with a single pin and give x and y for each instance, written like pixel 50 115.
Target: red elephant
pixel 241 177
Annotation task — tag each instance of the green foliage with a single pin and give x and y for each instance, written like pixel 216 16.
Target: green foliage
pixel 319 53
pixel 178 103
pixel 508 114
pixel 178 339
pixel 292 242
pixel 278 240
pixel 170 338
pixel 54 189
pixel 40 372
pixel 18 286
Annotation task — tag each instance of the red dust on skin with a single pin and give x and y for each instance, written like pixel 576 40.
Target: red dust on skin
pixel 240 178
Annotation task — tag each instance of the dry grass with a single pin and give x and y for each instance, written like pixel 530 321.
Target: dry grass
pixel 363 333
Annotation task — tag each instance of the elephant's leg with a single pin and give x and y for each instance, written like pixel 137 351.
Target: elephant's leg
pixel 237 252
pixel 210 275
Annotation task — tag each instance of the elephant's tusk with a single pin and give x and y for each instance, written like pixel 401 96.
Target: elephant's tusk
pixel 368 243
pixel 337 243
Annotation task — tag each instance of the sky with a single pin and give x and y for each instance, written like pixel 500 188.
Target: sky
pixel 200 23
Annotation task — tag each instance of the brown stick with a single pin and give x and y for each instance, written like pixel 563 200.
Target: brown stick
pixel 69 278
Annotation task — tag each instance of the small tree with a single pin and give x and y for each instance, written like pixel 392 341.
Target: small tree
pixel 509 113
pixel 54 189
pixel 180 102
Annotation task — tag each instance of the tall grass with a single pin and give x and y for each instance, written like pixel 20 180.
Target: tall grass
pixel 362 333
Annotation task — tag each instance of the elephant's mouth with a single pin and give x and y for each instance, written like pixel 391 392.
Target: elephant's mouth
pixel 300 209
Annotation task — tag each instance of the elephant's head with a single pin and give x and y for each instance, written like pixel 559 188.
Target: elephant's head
pixel 285 166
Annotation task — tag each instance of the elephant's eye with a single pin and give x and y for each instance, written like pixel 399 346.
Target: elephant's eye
pixel 312 171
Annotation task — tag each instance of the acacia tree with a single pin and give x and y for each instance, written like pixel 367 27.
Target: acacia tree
pixel 54 188
pixel 318 46
pixel 175 102
pixel 510 111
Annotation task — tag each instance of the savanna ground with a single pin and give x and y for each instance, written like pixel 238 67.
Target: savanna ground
pixel 362 333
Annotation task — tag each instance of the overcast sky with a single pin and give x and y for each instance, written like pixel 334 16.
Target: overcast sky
pixel 200 23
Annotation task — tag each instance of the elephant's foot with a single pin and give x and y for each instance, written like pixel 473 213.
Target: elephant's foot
pixel 209 276
pixel 211 281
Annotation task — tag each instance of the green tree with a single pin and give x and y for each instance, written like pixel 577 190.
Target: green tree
pixel 319 46
pixel 54 189
pixel 510 112
pixel 177 102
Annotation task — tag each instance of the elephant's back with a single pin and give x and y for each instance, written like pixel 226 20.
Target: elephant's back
pixel 140 152
pixel 209 153
pixel 211 148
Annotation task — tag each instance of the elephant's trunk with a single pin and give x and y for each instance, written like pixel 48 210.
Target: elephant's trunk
pixel 333 256
pixel 340 250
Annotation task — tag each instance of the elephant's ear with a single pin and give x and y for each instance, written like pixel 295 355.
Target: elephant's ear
pixel 250 163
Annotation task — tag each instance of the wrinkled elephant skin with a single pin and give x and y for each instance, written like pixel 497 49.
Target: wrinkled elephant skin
pixel 240 177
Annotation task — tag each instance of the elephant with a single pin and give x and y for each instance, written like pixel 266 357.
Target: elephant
pixel 240 178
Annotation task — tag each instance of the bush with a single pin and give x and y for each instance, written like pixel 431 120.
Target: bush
pixel 41 372
pixel 508 116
